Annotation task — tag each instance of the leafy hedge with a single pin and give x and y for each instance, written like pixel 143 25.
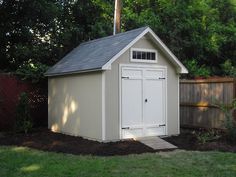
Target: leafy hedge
pixel 32 71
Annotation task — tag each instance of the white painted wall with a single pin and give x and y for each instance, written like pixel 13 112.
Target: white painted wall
pixel 75 104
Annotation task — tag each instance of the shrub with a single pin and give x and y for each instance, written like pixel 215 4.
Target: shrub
pixel 228 69
pixel 195 70
pixel 32 71
pixel 207 136
pixel 23 120
pixel 230 123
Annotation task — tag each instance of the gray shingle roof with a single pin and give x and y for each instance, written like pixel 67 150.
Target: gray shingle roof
pixel 92 55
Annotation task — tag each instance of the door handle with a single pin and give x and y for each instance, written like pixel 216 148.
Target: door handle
pixel 146 100
pixel 161 78
pixel 123 77
pixel 162 125
pixel 125 127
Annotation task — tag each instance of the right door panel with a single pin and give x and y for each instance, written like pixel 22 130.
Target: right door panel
pixel 154 105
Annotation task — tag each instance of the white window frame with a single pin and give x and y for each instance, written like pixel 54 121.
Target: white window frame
pixel 143 50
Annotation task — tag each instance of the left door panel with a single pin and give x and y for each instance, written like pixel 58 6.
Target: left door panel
pixel 132 97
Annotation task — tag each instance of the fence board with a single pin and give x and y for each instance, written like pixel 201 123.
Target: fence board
pixel 197 99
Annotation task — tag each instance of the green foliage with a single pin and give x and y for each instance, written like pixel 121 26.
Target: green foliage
pixel 195 70
pixel 30 71
pixel 230 122
pixel 46 30
pixel 201 29
pixel 228 69
pixel 207 136
pixel 23 120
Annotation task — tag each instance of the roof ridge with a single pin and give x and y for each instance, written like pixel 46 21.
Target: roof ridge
pixel 107 37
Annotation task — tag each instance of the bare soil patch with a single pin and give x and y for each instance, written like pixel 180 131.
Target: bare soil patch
pixel 188 140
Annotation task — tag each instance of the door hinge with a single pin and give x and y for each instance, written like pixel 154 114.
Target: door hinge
pixel 162 78
pixel 124 77
pixel 162 125
pixel 125 127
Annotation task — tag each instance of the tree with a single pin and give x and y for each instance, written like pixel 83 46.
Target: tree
pixel 203 30
pixel 43 31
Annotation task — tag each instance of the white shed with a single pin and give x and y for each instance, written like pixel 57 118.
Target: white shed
pixel 116 87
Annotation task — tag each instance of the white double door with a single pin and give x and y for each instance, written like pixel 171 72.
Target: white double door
pixel 143 102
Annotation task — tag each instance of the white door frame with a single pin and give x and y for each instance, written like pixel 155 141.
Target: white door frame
pixel 120 92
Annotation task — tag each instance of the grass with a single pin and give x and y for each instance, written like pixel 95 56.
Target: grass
pixel 21 161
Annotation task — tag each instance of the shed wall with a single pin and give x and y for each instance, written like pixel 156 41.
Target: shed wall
pixel 112 91
pixel 75 104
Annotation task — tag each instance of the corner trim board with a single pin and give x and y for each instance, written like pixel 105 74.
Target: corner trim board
pixel 103 107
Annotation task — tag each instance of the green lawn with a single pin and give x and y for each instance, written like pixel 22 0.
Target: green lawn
pixel 20 161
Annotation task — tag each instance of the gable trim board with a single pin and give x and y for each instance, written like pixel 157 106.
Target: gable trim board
pixel 96 111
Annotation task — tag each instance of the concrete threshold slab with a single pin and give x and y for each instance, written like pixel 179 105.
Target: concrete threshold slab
pixel 156 143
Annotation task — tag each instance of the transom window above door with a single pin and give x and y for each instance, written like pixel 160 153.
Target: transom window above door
pixel 143 55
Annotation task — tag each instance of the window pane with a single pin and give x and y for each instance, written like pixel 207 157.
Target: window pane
pixel 153 56
pixel 148 55
pixel 143 55
pixel 134 55
pixel 138 55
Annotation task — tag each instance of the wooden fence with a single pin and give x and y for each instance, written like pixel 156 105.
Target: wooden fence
pixel 197 99
pixel 10 89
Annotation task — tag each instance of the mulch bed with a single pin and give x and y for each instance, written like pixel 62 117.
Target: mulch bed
pixel 187 140
pixel 46 140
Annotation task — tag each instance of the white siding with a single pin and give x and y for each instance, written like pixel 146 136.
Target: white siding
pixel 75 104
